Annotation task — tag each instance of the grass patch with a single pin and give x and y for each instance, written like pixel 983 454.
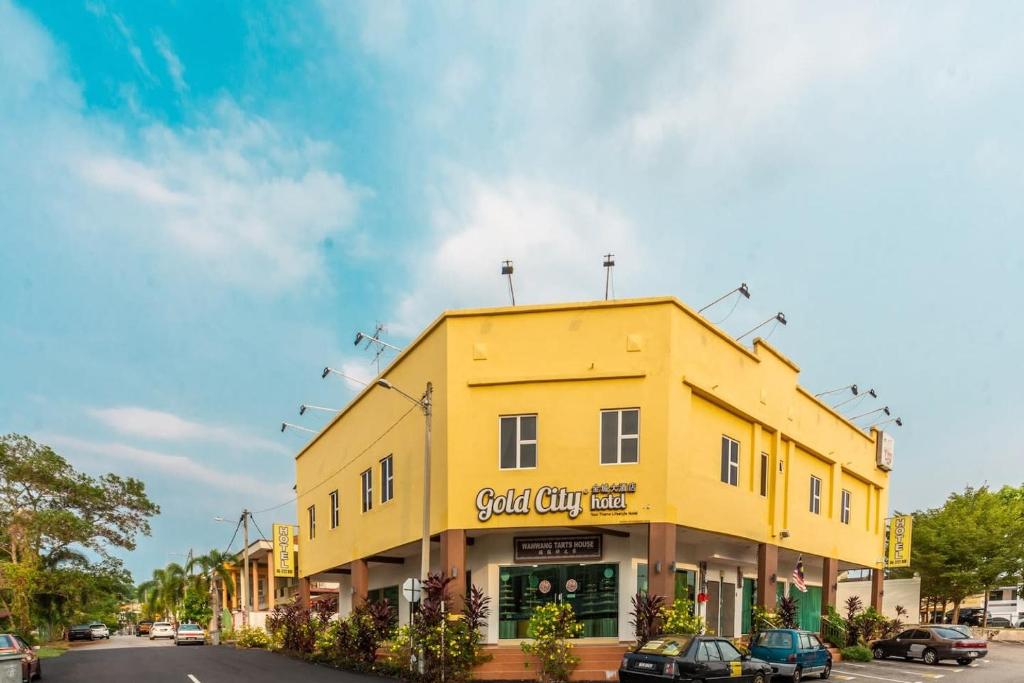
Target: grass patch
pixel 51 651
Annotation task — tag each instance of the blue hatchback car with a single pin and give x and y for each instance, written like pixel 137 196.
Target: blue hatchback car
pixel 793 653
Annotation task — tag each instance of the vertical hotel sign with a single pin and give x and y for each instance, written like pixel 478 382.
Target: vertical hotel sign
pixel 900 529
pixel 284 551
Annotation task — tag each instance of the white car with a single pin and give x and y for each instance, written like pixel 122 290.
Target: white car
pixel 190 633
pixel 98 630
pixel 161 629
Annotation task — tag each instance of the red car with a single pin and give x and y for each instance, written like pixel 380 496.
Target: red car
pixel 30 668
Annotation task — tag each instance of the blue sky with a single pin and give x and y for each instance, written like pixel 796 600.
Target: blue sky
pixel 202 202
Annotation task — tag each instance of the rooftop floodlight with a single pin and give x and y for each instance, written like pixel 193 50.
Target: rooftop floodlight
pixel 359 338
pixel 289 425
pixel 851 387
pixel 870 392
pixel 507 270
pixel 370 340
pixel 742 289
pixel 332 371
pixel 883 409
pixel 305 406
pixel 897 420
pixel 780 317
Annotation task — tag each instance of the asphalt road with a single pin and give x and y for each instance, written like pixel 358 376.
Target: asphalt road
pixel 124 659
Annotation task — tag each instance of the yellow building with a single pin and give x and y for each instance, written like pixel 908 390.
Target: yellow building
pixel 584 451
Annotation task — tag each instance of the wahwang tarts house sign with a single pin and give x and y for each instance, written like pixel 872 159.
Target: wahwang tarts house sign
pixel 601 499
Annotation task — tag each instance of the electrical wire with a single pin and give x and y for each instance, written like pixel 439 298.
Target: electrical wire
pixel 281 505
pixel 735 303
pixel 772 331
pixel 233 536
pixel 263 536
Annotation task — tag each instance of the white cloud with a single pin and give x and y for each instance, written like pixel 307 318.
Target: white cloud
pixel 100 10
pixel 231 199
pixel 175 69
pixel 156 424
pixel 174 466
pixel 555 236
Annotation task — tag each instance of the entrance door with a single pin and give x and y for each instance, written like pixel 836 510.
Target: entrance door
pixel 722 609
pixel 591 589
pixel 749 592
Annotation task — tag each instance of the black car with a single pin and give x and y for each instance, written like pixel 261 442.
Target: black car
pixel 80 632
pixel 691 658
pixel 969 616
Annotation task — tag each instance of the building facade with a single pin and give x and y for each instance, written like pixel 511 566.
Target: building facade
pixel 584 452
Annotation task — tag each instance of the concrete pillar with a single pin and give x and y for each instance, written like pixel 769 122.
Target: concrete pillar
pixel 236 600
pixel 767 574
pixel 360 582
pixel 304 597
pixel 223 597
pixel 271 587
pixel 453 563
pixel 254 576
pixel 829 583
pixel 661 558
pixel 877 588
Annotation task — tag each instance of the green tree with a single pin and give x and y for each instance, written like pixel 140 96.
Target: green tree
pixel 163 594
pixel 51 517
pixel 195 608
pixel 973 543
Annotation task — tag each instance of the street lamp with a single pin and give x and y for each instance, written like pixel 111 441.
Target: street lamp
pixel 305 406
pixel 425 404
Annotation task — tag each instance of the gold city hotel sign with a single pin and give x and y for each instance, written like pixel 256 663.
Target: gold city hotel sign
pixel 284 552
pixel 610 499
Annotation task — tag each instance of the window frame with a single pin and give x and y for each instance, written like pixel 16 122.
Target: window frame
pixel 845 506
pixel 765 465
pixel 387 483
pixel 311 518
pixel 520 442
pixel 619 436
pixel 366 489
pixel 335 509
pixel 815 495
pixel 730 465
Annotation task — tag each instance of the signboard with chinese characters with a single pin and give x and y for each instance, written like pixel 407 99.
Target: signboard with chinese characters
pixel 900 529
pixel 884 453
pixel 284 552
pixel 556 548
pixel 599 499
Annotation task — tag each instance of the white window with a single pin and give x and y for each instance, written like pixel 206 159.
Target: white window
pixel 730 461
pixel 815 495
pixel 387 479
pixel 312 521
pixel 334 509
pixel 517 442
pixel 844 512
pixel 620 436
pixel 367 478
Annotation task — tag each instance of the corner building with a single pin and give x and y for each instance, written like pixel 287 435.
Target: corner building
pixel 583 452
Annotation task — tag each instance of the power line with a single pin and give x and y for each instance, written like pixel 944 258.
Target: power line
pixel 349 462
pixel 233 536
pixel 263 536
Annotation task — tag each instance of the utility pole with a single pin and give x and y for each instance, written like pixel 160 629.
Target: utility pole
pixel 245 568
pixel 427 405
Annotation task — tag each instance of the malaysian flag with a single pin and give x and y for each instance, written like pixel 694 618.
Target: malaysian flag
pixel 798 575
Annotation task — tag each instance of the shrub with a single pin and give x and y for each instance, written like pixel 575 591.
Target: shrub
pixel 870 624
pixel 857 653
pixel 788 610
pixel 680 618
pixel 358 637
pixel 853 606
pixel 296 628
pixel 646 615
pixel 228 635
pixel 252 636
pixel 762 619
pixel 551 628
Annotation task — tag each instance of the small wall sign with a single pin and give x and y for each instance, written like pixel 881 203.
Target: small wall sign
pixel 557 548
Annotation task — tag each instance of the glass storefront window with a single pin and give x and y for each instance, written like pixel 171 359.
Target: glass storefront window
pixel 591 589
pixel 686 583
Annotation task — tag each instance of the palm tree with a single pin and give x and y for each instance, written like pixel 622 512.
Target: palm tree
pixel 164 592
pixel 215 570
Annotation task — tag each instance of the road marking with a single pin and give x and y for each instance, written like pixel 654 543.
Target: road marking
pixel 194 679
pixel 877 678
pixel 844 678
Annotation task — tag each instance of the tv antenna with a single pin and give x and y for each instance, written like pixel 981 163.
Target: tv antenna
pixel 375 341
pixel 609 263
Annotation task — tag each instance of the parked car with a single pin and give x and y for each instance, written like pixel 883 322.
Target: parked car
pixel 80 632
pixel 190 634
pixel 144 627
pixel 161 629
pixel 969 616
pixel 932 644
pixel 31 669
pixel 793 653
pixel 99 630
pixel 999 622
pixel 691 658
